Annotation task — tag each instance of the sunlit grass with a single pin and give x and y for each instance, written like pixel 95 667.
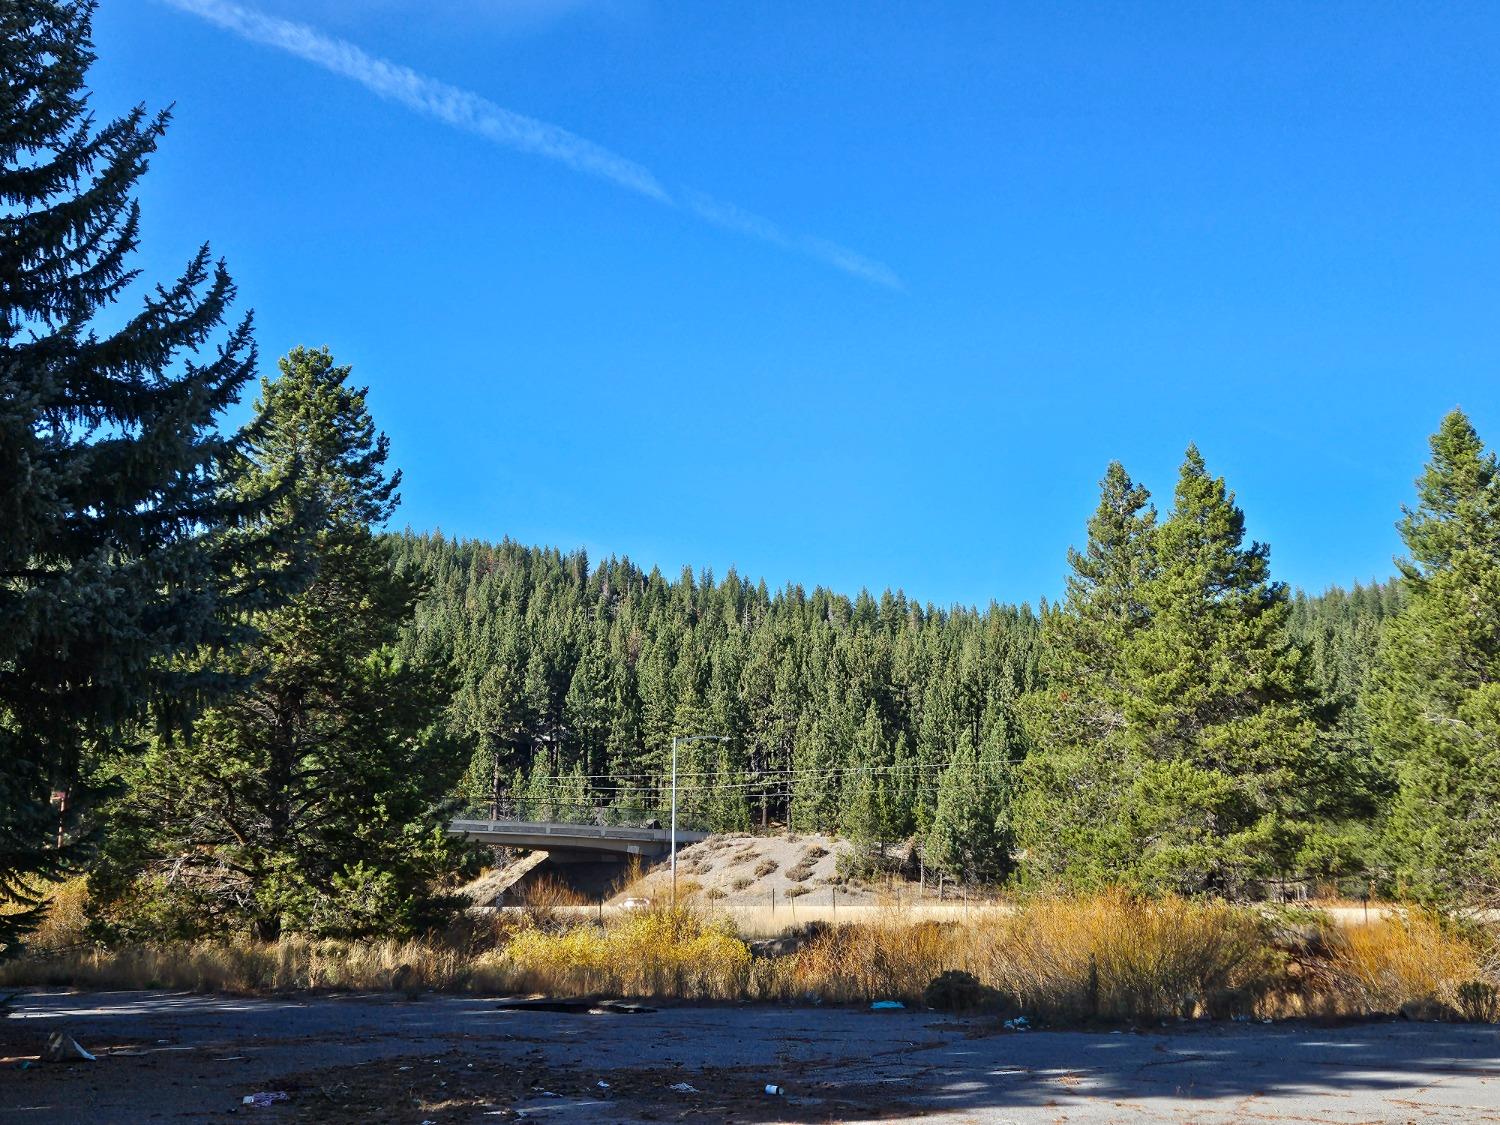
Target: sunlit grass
pixel 1413 964
pixel 667 951
pixel 1109 957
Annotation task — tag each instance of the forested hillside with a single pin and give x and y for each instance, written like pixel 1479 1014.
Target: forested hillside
pixel 841 713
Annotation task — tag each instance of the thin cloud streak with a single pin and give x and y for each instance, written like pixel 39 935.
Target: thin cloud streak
pixel 737 219
pixel 448 104
pixel 462 109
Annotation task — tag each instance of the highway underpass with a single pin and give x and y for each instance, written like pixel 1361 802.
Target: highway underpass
pixel 581 843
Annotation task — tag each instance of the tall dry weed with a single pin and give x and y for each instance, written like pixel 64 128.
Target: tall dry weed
pixel 1108 957
pixel 664 951
pixel 1411 963
pixel 250 967
pixel 1118 957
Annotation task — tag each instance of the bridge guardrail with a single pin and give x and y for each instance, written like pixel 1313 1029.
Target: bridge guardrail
pixel 554 828
pixel 544 810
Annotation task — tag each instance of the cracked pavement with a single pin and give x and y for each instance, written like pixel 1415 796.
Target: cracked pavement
pixel 175 1056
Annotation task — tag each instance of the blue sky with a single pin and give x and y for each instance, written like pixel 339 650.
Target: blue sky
pixel 1110 230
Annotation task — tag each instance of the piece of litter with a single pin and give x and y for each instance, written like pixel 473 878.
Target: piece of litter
pixel 539 1092
pixel 620 1007
pixel 265 1098
pixel 403 1068
pixel 1020 1023
pixel 886 1005
pixel 603 1085
pixel 774 1090
pixel 683 1088
pixel 538 1111
pixel 62 1047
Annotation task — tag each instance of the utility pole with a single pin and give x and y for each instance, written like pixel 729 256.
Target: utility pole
pixel 675 740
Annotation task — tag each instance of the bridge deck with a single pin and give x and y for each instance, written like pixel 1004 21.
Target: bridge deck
pixel 556 837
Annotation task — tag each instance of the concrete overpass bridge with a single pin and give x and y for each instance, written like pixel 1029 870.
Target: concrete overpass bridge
pixel 575 843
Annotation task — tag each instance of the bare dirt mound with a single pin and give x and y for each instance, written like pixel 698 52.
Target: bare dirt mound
pixel 738 871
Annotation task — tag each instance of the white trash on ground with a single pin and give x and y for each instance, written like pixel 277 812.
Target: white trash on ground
pixel 62 1047
pixel 265 1098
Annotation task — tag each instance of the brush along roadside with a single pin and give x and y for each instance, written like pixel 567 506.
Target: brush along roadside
pixel 1062 960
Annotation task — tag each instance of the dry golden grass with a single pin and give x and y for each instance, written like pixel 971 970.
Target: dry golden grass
pixel 1109 957
pixel 67 916
pixel 547 900
pixel 632 882
pixel 549 892
pixel 1414 964
pixel 249 967
pixel 1117 957
pixel 760 917
pixel 661 952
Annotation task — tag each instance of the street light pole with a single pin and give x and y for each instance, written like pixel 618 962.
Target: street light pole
pixel 674 821
pixel 675 740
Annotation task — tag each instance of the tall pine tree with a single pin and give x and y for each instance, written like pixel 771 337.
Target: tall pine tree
pixel 1073 782
pixel 1222 746
pixel 114 553
pixel 1436 701
pixel 310 800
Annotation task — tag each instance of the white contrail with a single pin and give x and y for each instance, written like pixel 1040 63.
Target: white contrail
pixel 730 217
pixel 463 109
pixel 448 104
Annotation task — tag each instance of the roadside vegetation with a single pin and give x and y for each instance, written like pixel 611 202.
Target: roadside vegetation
pixel 1109 958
